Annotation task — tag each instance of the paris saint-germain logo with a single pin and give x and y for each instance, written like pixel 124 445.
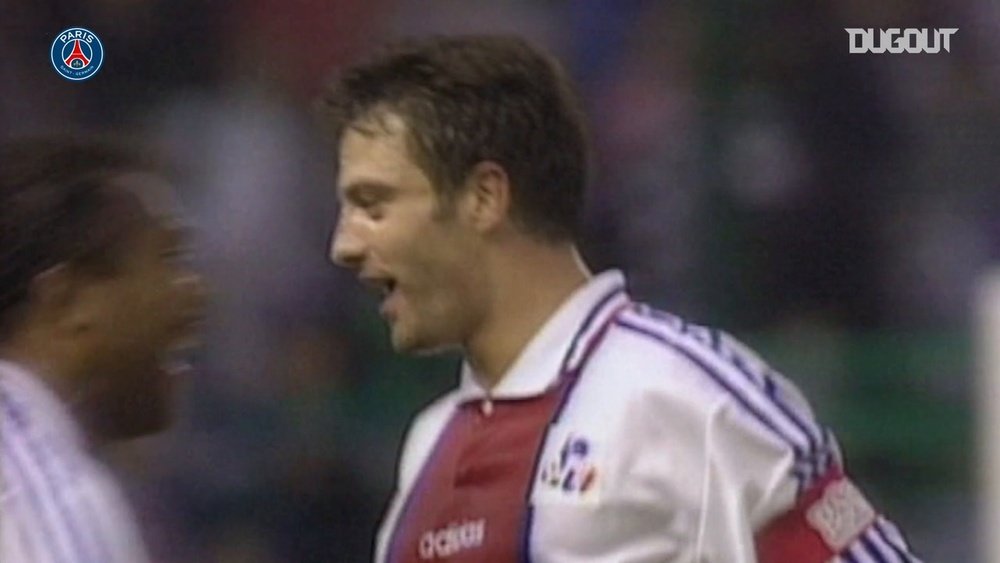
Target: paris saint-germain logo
pixel 77 54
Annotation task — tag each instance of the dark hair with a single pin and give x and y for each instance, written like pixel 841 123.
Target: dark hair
pixel 467 99
pixel 56 207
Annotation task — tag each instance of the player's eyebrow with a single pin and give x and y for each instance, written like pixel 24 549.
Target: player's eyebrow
pixel 364 189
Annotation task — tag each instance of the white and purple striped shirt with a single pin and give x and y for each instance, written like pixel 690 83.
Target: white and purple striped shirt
pixel 58 504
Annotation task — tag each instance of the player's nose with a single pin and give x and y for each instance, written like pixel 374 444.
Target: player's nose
pixel 346 247
pixel 194 290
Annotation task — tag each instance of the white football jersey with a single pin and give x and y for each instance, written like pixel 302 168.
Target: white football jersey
pixel 669 442
pixel 57 503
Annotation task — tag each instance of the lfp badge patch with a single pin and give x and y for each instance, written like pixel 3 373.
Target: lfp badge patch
pixel 77 54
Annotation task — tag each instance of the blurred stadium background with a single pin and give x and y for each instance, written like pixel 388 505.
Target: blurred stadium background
pixel 832 209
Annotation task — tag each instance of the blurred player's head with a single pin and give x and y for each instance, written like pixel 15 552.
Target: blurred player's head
pixel 93 292
pixel 449 149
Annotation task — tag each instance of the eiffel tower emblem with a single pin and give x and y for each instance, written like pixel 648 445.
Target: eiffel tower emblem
pixel 76 59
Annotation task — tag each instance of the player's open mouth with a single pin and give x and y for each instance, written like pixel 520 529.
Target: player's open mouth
pixel 175 359
pixel 379 285
pixel 388 287
pixel 382 286
pixel 387 290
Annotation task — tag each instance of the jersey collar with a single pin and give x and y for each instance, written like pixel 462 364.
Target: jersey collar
pixel 557 346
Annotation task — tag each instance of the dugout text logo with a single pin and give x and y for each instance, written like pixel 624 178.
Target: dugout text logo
pixel 895 40
pixel 77 54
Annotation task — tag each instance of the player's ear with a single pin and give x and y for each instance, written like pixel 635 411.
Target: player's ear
pixel 58 298
pixel 487 196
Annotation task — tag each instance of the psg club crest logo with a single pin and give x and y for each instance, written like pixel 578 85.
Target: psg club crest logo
pixel 77 54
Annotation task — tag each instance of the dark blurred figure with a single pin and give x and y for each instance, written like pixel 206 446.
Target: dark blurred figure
pixel 95 304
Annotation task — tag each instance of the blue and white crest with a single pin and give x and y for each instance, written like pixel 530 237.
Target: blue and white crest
pixel 77 54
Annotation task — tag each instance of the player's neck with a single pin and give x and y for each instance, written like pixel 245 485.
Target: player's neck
pixel 58 364
pixel 531 285
pixel 45 357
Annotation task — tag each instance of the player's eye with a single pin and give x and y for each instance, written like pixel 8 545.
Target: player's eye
pixel 372 204
pixel 370 199
pixel 175 252
pixel 376 211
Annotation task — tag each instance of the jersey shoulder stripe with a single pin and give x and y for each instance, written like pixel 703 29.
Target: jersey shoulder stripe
pixel 758 392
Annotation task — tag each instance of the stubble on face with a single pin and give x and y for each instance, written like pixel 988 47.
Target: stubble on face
pixel 419 242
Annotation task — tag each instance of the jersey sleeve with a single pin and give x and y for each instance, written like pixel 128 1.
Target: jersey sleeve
pixel 787 496
pixel 775 477
pixel 749 478
pixel 831 521
pixel 761 477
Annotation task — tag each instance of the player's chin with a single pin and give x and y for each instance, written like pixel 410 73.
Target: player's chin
pixel 160 400
pixel 130 423
pixel 405 340
pixel 145 423
pixel 146 407
pixel 142 424
pixel 417 344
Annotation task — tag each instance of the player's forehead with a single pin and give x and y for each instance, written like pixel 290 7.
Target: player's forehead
pixel 154 200
pixel 154 194
pixel 376 149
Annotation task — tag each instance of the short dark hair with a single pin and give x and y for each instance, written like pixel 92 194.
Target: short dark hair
pixel 467 99
pixel 56 207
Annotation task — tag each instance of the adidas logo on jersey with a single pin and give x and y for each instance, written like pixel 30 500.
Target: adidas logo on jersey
pixel 456 537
